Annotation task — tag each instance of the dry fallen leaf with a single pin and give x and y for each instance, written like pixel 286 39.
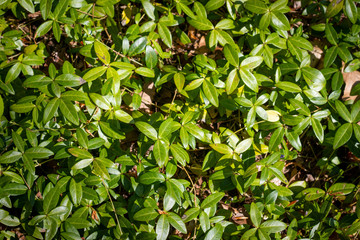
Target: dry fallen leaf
pixel 351 79
pixel 147 96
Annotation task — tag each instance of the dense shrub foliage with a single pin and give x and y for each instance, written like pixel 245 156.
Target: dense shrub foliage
pixel 220 119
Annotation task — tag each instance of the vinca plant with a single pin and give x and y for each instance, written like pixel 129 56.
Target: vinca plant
pixel 179 119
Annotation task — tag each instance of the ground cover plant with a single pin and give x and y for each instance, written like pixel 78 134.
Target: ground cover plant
pixel 220 119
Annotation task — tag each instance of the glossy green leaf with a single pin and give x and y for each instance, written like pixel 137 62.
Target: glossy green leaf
pixel 38 152
pixel 28 5
pixel 45 8
pixel 147 130
pixel 273 226
pixel 138 46
pixel 10 157
pixel 255 215
pixel 212 200
pixel 256 6
pixel 162 227
pixel 145 215
pixel 102 52
pixel 151 177
pixel 69 111
pixel 342 135
pixel 51 109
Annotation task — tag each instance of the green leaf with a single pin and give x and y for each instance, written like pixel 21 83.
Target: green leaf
pixel 10 221
pixel 45 8
pixel 202 24
pixel 179 80
pixel 69 111
pixel 37 81
pixel 75 192
pixel 60 8
pixel 162 227
pixel 177 222
pixel 146 72
pixel 294 139
pixel 28 5
pixel 51 109
pixel 22 107
pixel 100 101
pixel 78 222
pixel 214 4
pixel 94 73
pixel 82 137
pixel 312 194
pixel 191 214
pixel 318 129
pixel 231 55
pixel 80 153
pixel 204 221
pixel 280 21
pixel 179 154
pixel 251 62
pixel 256 6
pixel 151 177
pixel 351 11
pixel 225 24
pixel 147 130
pixel 165 34
pixel 315 78
pixel 161 152
pixel 58 211
pixel 215 233
pixel 145 215
pixel 100 170
pixel 13 73
pixel 69 80
pixel 43 28
pixel 123 116
pixel 330 56
pixel 244 145
pixel 222 148
pixel 301 43
pixel 138 46
pixel 300 107
pixel 150 57
pixel 149 9
pixel 288 86
pixel 102 52
pixel 341 189
pixel 1 107
pixel 82 163
pixel 232 81
pixel 276 138
pixel 212 200
pixel 10 157
pixel 334 8
pixel 249 79
pixel 265 21
pixel 38 153
pixel 342 135
pixel 210 93
pixel 255 215
pixel 278 174
pixel 51 199
pixel 29 164
pixel 343 111
pixel 18 141
pixel 331 34
pixel 273 226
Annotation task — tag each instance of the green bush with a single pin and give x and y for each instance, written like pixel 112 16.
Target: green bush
pixel 179 119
